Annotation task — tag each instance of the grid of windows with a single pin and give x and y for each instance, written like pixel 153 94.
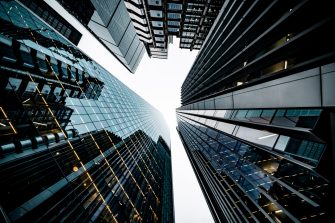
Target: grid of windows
pixel 54 19
pixel 170 29
pixel 305 150
pixel 174 6
pixel 118 109
pixel 76 144
pixel 253 118
pixel 174 15
pixel 249 175
pixel 173 23
pixel 111 24
pixel 303 118
pixel 198 18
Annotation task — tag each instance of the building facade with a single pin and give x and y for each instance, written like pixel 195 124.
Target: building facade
pixel 197 19
pixel 152 23
pixel 110 23
pixel 156 22
pixel 50 16
pixel 148 19
pixel 75 143
pixel 257 118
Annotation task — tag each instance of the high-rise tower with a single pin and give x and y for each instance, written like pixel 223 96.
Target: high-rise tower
pixel 127 25
pixel 257 118
pixel 110 23
pixel 75 143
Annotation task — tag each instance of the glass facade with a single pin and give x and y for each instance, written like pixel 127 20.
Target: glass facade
pixel 155 22
pixel 110 23
pixel 75 143
pixel 257 115
pixel 250 176
pixel 50 16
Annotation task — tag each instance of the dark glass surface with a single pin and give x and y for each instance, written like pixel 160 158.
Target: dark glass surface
pixel 75 143
pixel 281 189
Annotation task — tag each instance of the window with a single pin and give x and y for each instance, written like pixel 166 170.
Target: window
pixel 157 24
pixel 174 6
pixel 160 44
pixel 155 2
pixel 156 14
pixel 185 45
pixel 188 34
pixel 187 40
pixel 158 32
pixel 173 29
pixel 174 16
pixel 161 39
pixel 173 23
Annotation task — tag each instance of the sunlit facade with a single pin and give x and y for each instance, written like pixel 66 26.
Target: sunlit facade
pixel 75 143
pixel 257 117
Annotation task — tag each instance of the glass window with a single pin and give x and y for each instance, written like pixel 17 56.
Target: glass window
pixel 264 138
pixel 267 114
pixel 240 114
pixel 155 2
pixel 158 32
pixel 282 143
pixel 253 113
pixel 211 122
pixel 157 24
pixel 173 23
pixel 156 13
pixel 13 84
pixel 170 29
pixel 174 15
pixel 174 6
pixel 225 127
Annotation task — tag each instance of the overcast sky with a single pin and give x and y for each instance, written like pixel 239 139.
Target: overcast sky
pixel 158 82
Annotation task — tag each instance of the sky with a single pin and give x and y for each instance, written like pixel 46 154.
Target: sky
pixel 159 83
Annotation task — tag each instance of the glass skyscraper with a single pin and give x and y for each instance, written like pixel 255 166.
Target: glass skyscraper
pixel 257 118
pixel 110 23
pixel 75 143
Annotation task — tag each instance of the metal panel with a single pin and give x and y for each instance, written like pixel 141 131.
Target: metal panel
pixel 298 90
pixel 328 89
pixel 224 101
pixel 209 104
pixel 105 8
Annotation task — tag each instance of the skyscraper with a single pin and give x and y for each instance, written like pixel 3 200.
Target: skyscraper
pixel 119 25
pixel 155 22
pixel 197 19
pixel 147 23
pixel 75 143
pixel 50 16
pixel 110 23
pixel 257 115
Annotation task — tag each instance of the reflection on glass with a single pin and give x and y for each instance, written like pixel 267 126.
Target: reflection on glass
pixel 283 189
pixel 75 143
pixel 304 118
pixel 305 150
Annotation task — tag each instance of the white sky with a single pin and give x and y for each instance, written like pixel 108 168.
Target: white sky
pixel 159 83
